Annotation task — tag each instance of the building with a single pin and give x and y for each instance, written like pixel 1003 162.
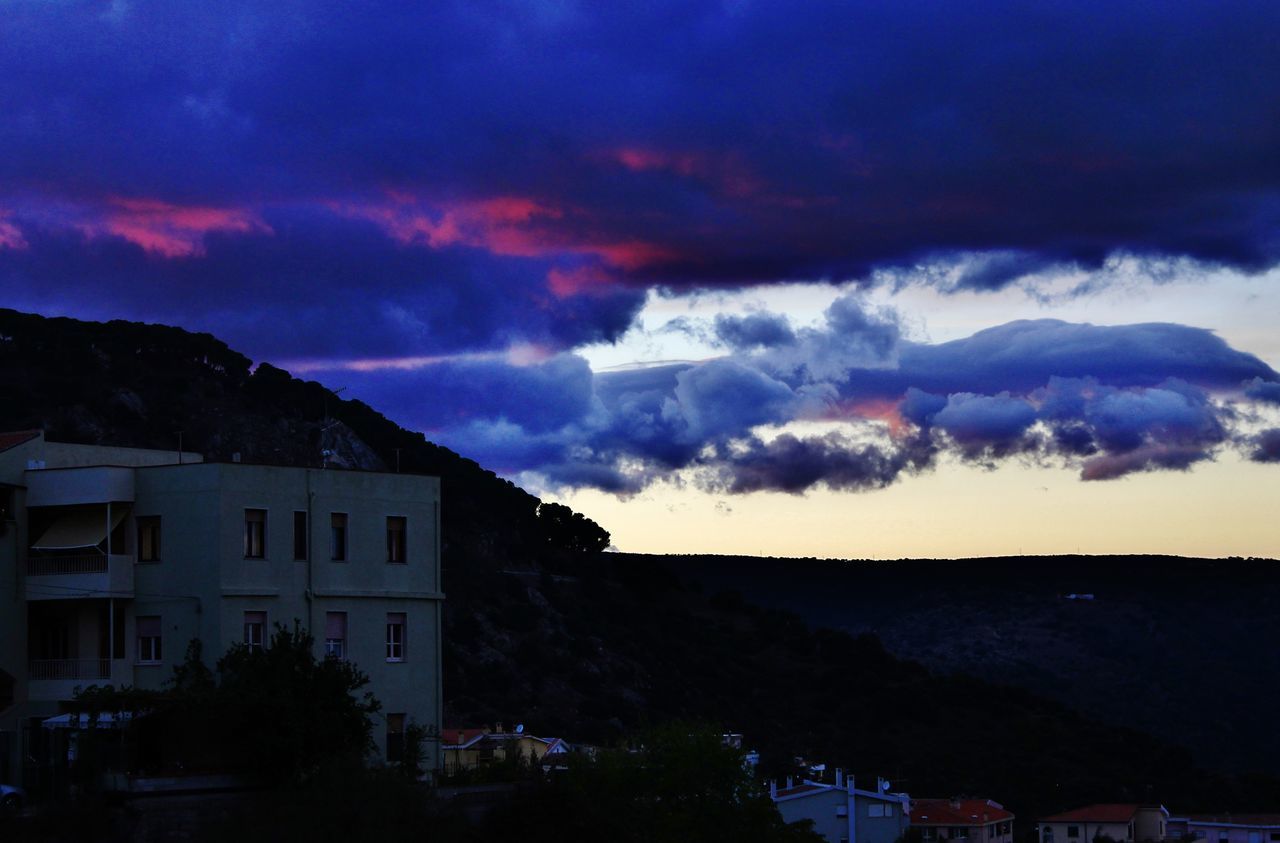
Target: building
pixel 469 749
pixel 842 813
pixel 971 820
pixel 1226 828
pixel 113 559
pixel 1123 823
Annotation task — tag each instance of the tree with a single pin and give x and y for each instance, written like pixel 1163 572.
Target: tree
pixel 285 712
pixel 682 784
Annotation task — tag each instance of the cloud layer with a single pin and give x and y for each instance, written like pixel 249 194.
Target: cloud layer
pixel 850 405
pixel 413 179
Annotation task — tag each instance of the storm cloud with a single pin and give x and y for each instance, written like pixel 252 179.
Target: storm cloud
pixel 389 179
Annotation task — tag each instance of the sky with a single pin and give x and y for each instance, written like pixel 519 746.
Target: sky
pixel 844 279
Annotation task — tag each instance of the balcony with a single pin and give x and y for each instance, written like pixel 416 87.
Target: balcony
pixel 57 679
pixel 81 575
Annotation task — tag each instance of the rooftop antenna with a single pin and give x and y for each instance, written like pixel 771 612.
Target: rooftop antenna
pixel 397 460
pixel 179 447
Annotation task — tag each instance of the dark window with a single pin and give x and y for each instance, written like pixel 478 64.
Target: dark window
pixel 1073 831
pixel 255 627
pixel 299 535
pixel 335 634
pixel 338 536
pixel 149 649
pixel 149 538
pixel 395 738
pixel 255 533
pixel 396 528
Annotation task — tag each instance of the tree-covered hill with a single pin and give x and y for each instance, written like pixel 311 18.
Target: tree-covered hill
pixel 543 628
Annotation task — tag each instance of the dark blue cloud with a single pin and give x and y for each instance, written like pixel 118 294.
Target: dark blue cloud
pixel 1121 407
pixel 755 330
pixel 1267 392
pixel 672 143
pixel 1266 446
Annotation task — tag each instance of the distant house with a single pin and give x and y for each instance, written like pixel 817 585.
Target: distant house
pixel 970 820
pixel 1124 823
pixel 842 813
pixel 469 749
pixel 1226 828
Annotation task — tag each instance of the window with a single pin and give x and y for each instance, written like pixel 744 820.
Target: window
pixel 957 833
pixel 1048 834
pixel 1073 831
pixel 395 636
pixel 842 810
pixel 255 533
pixel 1275 835
pixel 927 833
pixel 395 738
pixel 875 809
pixel 335 634
pixel 149 538
pixel 255 626
pixel 149 650
pixel 395 538
pixel 991 832
pixel 338 536
pixel 299 535
pixel 888 810
pixel 1255 837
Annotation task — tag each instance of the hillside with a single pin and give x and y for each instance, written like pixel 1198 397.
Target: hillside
pixel 1179 647
pixel 543 628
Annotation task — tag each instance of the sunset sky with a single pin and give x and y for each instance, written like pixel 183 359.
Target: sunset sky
pixel 834 279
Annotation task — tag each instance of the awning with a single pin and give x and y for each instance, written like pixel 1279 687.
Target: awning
pixel 106 720
pixel 80 528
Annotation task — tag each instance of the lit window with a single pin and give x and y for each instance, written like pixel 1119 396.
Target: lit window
pixel 255 626
pixel 338 536
pixel 149 538
pixel 396 538
pixel 335 634
pixel 149 650
pixel 255 533
pixel 395 636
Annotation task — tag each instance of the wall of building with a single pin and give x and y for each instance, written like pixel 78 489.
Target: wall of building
pixel 821 808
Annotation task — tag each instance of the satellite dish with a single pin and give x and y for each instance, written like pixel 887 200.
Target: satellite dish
pixel 519 728
pixel 884 785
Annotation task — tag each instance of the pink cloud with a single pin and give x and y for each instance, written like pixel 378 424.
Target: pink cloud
pixel 10 236
pixel 173 231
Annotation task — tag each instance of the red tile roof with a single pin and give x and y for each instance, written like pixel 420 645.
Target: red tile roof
pixel 967 812
pixel 801 788
pixel 1105 813
pixel 10 440
pixel 457 737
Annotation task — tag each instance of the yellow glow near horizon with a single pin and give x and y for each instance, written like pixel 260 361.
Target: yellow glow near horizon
pixel 1225 508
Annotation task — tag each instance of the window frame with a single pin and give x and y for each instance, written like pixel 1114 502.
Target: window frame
pixel 155 652
pixel 397 645
pixel 248 534
pixel 403 521
pixel 149 524
pixel 328 641
pixel 261 643
pixel 345 549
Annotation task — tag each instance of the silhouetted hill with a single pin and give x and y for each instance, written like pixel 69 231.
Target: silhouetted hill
pixel 1182 648
pixel 543 628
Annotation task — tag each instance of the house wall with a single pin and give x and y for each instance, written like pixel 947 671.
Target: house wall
pixel 821 808
pixel 871 829
pixel 1088 831
pixel 202 585
pixel 1211 832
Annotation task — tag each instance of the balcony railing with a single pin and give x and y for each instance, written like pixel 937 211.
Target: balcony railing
pixel 70 669
pixel 87 563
